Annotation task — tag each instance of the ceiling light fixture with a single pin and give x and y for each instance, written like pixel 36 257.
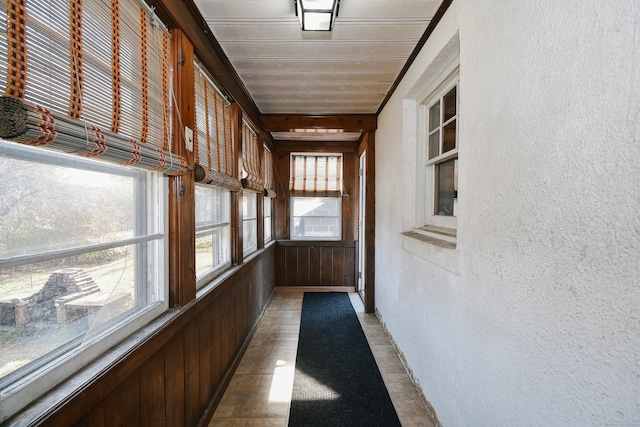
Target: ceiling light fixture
pixel 316 15
pixel 315 130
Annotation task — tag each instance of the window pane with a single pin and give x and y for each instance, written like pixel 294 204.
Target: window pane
pixel 449 137
pixel 71 207
pixel 434 116
pixel 249 210
pixel 316 218
pixel 450 105
pixel 267 219
pixel 213 230
pixel 212 250
pixel 249 236
pixel 249 222
pixel 212 205
pixel 434 144
pixel 446 188
pixel 48 304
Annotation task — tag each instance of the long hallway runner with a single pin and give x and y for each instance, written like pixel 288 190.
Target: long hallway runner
pixel 337 382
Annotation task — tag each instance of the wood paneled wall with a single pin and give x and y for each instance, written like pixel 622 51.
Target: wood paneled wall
pixel 308 263
pixel 176 375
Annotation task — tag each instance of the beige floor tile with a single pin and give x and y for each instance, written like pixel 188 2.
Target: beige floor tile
pixel 228 422
pixel 261 359
pixel 267 422
pixel 424 421
pixel 410 409
pixel 248 422
pixel 377 337
pixel 286 304
pixel 261 410
pixel 387 363
pixel 275 337
pixel 247 388
pixel 223 411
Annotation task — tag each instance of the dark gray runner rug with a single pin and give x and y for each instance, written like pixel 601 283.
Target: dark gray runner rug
pixel 337 382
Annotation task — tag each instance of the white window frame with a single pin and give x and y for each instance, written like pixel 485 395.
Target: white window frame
pixel 427 222
pixel 209 228
pixel 249 220
pixel 19 388
pixel 319 238
pixel 268 223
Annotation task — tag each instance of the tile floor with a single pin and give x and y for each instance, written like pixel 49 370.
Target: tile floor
pixel 259 394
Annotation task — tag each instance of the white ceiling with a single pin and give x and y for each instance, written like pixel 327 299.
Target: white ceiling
pixel 347 71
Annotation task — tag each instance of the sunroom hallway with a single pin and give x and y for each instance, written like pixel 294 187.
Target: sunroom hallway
pixel 259 393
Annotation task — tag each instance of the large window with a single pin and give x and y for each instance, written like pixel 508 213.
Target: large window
pixel 249 222
pixel 441 202
pixel 81 260
pixel 316 196
pixel 213 232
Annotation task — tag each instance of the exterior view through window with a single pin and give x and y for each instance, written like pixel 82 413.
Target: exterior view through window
pixel 317 218
pixel 213 231
pixel 316 196
pixel 249 222
pixel 79 253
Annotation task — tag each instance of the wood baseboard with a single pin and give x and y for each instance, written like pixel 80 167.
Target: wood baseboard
pixel 315 289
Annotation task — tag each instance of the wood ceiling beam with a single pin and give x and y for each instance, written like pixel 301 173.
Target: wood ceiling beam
pixel 347 122
pixel 319 147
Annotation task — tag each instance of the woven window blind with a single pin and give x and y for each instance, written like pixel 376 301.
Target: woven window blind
pixel 269 181
pixel 214 152
pixel 252 173
pixel 316 175
pixel 90 78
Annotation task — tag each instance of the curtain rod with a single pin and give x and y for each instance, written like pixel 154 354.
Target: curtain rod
pixel 248 123
pixel 206 76
pixel 155 20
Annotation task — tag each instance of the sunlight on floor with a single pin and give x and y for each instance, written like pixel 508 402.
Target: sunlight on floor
pixel 282 382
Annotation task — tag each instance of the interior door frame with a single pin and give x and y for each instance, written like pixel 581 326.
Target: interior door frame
pixel 362 238
pixel 367 147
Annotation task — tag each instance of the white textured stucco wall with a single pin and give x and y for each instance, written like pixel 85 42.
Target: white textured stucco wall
pixel 542 324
